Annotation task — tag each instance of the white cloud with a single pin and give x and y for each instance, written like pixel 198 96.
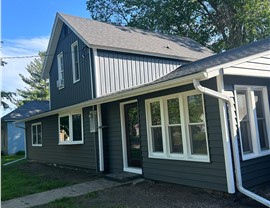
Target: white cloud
pixel 15 66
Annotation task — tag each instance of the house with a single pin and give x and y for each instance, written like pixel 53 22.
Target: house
pixel 12 134
pixel 167 108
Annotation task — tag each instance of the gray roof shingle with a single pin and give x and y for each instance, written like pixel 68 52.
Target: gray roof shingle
pixel 127 38
pixel 218 59
pixel 27 110
pixel 106 36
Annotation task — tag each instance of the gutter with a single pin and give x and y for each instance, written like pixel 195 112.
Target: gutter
pixel 135 91
pixel 25 150
pixel 233 131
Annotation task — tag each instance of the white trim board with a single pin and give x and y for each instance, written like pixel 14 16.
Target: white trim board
pixel 126 168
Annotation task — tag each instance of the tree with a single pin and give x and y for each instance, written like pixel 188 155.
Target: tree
pixel 218 24
pixel 38 88
pixel 7 96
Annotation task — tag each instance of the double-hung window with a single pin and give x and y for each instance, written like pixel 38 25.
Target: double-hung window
pixel 75 62
pixel 253 120
pixel 60 62
pixel 176 127
pixel 36 134
pixel 71 128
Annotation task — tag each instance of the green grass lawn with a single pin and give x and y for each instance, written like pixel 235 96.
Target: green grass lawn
pixel 9 158
pixel 16 182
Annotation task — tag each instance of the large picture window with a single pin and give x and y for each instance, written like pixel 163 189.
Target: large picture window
pixel 177 128
pixel 75 62
pixel 36 134
pixel 70 128
pixel 253 118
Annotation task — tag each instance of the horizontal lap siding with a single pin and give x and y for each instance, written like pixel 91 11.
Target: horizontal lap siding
pixel 72 93
pixel 199 174
pixel 255 171
pixel 82 155
pixel 112 138
pixel 120 71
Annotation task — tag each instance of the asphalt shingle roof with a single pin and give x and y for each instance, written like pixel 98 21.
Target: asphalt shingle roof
pixel 29 109
pixel 218 59
pixel 127 38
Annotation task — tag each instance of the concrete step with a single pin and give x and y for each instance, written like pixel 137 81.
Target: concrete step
pixel 122 177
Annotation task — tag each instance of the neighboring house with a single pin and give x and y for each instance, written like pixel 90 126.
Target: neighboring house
pixel 124 99
pixel 13 134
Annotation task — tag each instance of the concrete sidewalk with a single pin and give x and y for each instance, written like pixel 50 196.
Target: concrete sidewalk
pixel 49 196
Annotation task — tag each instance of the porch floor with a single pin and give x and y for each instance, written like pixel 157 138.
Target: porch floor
pixel 122 177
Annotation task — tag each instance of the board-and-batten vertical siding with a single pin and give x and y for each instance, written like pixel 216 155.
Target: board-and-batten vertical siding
pixel 72 93
pixel 210 175
pixel 119 71
pixel 81 155
pixel 254 171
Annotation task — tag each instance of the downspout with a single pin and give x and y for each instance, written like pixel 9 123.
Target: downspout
pixel 25 152
pixel 99 116
pixel 100 139
pixel 232 124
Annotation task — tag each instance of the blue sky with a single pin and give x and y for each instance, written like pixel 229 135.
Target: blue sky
pixel 25 29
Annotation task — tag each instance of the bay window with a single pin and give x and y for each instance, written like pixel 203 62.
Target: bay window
pixel 70 128
pixel 253 118
pixel 176 127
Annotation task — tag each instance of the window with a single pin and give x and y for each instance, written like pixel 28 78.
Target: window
pixel 60 61
pixel 253 118
pixel 75 62
pixel 176 127
pixel 70 128
pixel 36 134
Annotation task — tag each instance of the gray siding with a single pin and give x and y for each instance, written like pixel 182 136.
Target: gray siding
pixel 72 93
pixel 255 171
pixel 119 71
pixel 199 174
pixel 112 138
pixel 82 155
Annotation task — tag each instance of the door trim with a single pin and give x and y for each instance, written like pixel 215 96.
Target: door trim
pixel 126 168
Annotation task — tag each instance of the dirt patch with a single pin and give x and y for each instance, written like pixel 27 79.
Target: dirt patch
pixel 159 195
pixel 52 172
pixel 149 194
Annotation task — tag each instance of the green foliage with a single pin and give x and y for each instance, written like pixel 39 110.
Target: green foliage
pixel 37 88
pixel 20 153
pixel 218 24
pixel 7 96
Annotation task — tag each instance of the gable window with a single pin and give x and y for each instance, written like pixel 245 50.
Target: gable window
pixel 75 62
pixel 60 62
pixel 253 119
pixel 176 127
pixel 36 134
pixel 70 128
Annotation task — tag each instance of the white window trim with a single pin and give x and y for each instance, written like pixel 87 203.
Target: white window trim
pixel 257 152
pixel 186 156
pixel 69 114
pixel 73 61
pixel 36 124
pixel 59 56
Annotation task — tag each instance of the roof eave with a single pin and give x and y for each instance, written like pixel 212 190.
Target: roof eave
pixel 125 94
